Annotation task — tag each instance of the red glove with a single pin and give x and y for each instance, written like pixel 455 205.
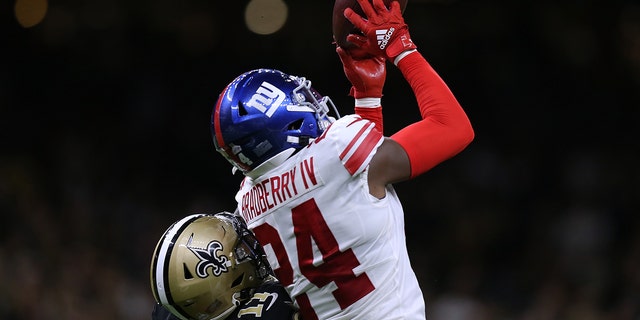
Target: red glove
pixel 365 72
pixel 384 27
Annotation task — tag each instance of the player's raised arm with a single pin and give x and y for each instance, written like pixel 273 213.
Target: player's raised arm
pixel 444 129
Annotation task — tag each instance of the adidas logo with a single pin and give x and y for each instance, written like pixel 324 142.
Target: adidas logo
pixel 383 36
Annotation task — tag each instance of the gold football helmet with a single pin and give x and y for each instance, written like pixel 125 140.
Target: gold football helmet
pixel 205 265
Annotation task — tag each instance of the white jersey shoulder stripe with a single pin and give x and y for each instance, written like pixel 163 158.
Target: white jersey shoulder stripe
pixel 359 148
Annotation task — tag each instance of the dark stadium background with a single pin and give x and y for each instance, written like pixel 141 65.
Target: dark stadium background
pixel 104 121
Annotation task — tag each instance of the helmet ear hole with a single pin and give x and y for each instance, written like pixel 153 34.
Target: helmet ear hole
pixel 296 125
pixel 242 111
pixel 187 273
pixel 237 281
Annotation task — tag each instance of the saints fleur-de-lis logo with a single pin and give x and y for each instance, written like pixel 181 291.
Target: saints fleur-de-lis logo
pixel 209 258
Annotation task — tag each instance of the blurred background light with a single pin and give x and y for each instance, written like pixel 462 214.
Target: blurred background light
pixel 266 16
pixel 30 12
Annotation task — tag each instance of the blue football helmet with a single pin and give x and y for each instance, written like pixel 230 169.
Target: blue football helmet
pixel 264 116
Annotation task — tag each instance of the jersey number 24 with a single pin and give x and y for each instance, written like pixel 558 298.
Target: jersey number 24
pixel 336 266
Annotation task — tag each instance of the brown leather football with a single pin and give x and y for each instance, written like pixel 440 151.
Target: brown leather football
pixel 342 27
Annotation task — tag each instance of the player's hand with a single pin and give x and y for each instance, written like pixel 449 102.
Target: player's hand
pixel 366 73
pixel 386 32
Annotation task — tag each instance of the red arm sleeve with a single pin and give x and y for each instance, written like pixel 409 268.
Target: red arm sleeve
pixel 373 114
pixel 444 130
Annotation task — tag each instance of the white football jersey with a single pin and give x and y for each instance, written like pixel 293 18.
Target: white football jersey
pixel 339 251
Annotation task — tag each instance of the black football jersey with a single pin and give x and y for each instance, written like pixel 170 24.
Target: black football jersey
pixel 269 302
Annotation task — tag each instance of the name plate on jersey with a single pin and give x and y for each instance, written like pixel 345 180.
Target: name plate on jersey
pixel 273 191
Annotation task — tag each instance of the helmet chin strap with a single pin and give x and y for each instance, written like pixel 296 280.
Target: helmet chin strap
pixel 273 162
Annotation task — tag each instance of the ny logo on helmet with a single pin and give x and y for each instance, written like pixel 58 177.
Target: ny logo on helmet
pixel 267 99
pixel 209 258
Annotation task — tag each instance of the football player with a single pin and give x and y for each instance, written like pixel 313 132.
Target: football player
pixel 212 267
pixel 318 191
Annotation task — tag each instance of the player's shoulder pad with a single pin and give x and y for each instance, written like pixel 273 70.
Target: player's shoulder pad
pixel 354 140
pixel 348 126
pixel 273 286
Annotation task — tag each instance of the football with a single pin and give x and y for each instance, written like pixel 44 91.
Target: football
pixel 342 27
